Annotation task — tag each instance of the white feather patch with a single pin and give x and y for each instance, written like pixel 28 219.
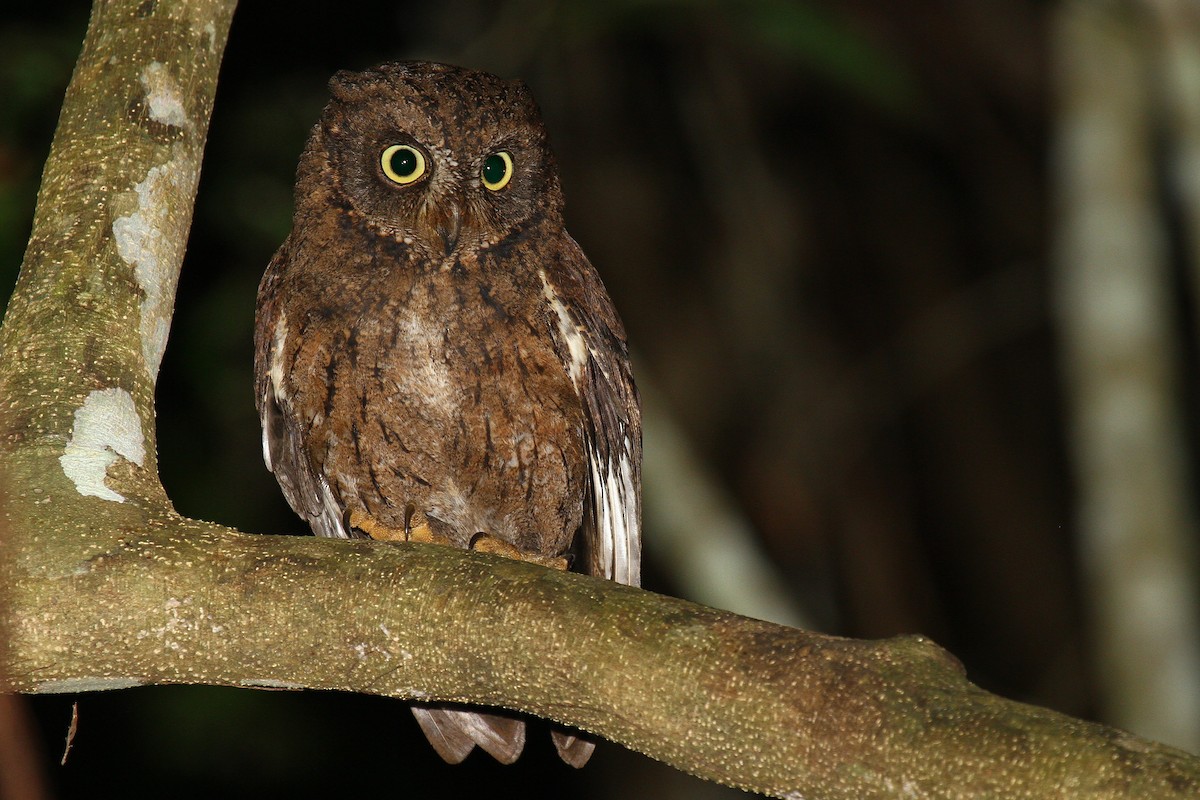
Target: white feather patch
pixel 614 496
pixel 630 507
pixel 616 502
pixel 278 342
pixel 331 513
pixel 576 344
pixel 275 371
pixel 266 447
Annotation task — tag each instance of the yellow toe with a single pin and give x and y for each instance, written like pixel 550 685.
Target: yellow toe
pixel 374 528
pixel 486 543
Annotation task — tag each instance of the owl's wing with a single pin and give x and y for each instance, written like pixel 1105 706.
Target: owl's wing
pixel 591 341
pixel 306 490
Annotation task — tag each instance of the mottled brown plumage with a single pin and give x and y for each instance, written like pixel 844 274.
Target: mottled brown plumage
pixel 435 357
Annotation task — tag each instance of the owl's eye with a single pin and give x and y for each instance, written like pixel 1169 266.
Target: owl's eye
pixel 402 164
pixel 497 171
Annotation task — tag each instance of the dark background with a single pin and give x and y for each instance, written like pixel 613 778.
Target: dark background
pixel 825 226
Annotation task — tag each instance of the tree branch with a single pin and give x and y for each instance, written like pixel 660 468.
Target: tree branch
pixel 1119 336
pixel 107 587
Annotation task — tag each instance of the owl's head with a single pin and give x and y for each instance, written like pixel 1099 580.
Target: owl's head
pixel 439 158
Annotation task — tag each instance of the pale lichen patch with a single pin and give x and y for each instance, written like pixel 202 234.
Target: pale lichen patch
pixel 146 239
pixel 163 99
pixel 106 427
pixel 72 685
pixel 268 683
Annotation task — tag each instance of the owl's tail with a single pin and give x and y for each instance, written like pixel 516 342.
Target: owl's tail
pixel 572 747
pixel 454 734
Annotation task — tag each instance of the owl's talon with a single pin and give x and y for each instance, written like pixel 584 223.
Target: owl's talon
pixel 486 543
pixel 375 529
pixel 417 529
pixel 352 531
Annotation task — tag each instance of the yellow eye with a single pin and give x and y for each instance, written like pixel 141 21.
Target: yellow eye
pixel 497 171
pixel 402 163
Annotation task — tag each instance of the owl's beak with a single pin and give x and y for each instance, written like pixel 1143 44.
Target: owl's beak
pixel 449 227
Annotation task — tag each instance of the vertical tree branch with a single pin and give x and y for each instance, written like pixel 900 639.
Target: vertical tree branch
pixel 1117 324
pixel 1177 30
pixel 87 324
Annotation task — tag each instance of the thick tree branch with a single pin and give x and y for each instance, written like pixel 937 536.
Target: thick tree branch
pixel 731 699
pixel 107 587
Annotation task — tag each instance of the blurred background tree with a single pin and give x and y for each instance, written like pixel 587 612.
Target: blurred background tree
pixel 828 228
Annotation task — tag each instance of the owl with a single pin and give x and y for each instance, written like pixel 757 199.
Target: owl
pixel 436 359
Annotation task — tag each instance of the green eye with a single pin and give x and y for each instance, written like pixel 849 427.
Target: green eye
pixel 402 164
pixel 497 171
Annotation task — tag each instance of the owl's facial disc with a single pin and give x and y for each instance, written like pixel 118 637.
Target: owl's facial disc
pixel 447 163
pixel 439 216
pixel 442 218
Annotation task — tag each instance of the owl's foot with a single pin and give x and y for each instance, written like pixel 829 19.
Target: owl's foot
pixel 415 530
pixel 375 529
pixel 486 543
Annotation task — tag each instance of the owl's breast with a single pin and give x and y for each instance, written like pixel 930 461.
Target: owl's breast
pixel 451 399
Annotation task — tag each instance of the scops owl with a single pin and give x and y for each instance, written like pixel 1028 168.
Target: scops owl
pixel 435 357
